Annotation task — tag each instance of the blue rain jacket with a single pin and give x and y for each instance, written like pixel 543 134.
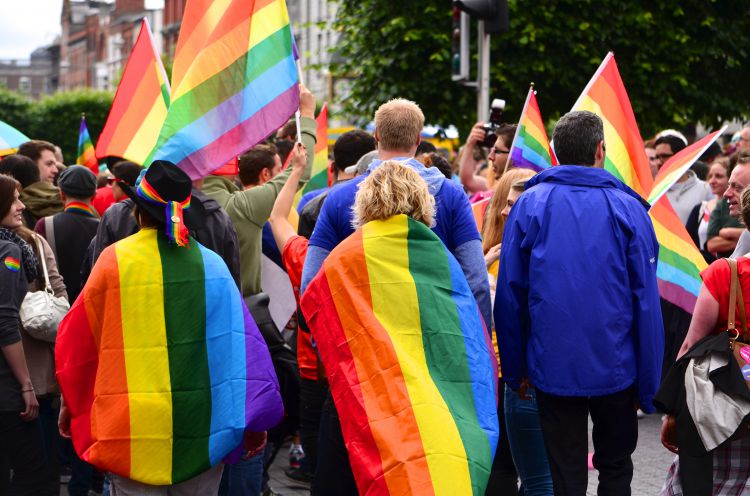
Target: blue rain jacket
pixel 577 305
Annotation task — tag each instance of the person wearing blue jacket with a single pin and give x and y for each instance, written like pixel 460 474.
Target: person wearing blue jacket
pixel 577 308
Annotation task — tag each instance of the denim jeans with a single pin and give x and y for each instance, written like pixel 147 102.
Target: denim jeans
pixel 527 443
pixel 244 478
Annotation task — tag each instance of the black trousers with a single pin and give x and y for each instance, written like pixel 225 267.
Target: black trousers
pixel 565 427
pixel 503 478
pixel 333 475
pixel 22 445
pixel 312 396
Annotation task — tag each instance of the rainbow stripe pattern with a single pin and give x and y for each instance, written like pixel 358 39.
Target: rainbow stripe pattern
pixel 12 264
pixel 10 139
pixel 479 210
pixel 680 262
pixel 81 208
pixel 319 173
pixel 86 154
pixel 234 80
pixel 530 148
pixel 408 360
pixel 160 363
pixel 140 105
pixel 177 231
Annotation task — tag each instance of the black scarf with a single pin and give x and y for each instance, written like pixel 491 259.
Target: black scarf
pixel 28 259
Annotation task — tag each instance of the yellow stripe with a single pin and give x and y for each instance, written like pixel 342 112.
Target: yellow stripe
pixel 144 139
pixel 267 21
pixel 394 301
pixel 670 240
pixel 535 132
pixel 146 358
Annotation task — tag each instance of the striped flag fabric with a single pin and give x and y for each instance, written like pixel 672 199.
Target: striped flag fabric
pixel 478 210
pixel 10 139
pixel 530 148
pixel 86 154
pixel 140 104
pixel 680 262
pixel 160 363
pixel 319 173
pixel 234 82
pixel 676 166
pixel 408 360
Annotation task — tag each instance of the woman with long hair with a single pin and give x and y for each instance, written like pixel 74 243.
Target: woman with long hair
pixel 20 429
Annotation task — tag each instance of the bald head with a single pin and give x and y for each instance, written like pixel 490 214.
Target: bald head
pixel 744 143
pixel 398 125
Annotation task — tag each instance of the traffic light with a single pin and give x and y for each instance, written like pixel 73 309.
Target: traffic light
pixel 494 13
pixel 460 46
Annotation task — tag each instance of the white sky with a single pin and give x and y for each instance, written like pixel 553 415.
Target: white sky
pixel 29 24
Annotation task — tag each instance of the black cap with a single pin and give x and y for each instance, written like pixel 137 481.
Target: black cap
pixel 77 181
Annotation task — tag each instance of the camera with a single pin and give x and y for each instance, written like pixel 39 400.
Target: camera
pixel 496 118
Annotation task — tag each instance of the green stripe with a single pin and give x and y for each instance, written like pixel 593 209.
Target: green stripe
pixel 230 81
pixel 318 181
pixel 444 344
pixel 185 319
pixel 532 143
pixel 165 94
pixel 610 166
pixel 677 261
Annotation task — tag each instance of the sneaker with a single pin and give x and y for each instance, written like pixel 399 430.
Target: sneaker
pixel 299 476
pixel 640 414
pixel 295 455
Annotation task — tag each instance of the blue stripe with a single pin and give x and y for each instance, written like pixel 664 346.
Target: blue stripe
pixel 225 345
pixel 668 273
pixel 531 155
pixel 230 113
pixel 477 355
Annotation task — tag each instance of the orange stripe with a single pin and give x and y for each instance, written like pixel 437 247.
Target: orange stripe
pixel 149 92
pixel 382 383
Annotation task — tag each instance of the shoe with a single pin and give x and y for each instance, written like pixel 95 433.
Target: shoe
pixel 299 476
pixel 640 414
pixel 295 455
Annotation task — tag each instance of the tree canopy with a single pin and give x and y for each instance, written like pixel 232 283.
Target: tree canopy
pixel 682 62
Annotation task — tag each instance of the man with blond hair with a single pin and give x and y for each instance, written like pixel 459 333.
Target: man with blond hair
pixel 398 127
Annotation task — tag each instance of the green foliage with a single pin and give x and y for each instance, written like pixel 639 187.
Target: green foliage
pixel 681 63
pixel 15 110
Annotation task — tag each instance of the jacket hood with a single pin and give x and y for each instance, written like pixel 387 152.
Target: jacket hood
pixel 432 176
pixel 577 175
pixel 42 199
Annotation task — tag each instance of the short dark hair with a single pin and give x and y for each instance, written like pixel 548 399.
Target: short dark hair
pixel 127 171
pixel 288 130
pixel 508 132
pixel 284 148
pixel 34 148
pixel 675 143
pixel 22 168
pixel 424 147
pixel 350 147
pixel 577 136
pixel 253 161
pixel 437 161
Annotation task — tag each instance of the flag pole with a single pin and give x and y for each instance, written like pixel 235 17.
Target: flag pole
pixel 301 82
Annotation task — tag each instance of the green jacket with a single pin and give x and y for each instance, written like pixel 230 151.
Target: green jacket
pixel 249 209
pixel 41 199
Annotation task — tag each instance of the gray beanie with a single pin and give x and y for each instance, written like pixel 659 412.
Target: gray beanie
pixel 77 181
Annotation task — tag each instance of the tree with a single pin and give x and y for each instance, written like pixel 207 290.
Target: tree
pixel 15 110
pixel 681 62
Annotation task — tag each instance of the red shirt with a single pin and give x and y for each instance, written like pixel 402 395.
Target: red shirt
pixel 103 199
pixel 716 279
pixel 293 257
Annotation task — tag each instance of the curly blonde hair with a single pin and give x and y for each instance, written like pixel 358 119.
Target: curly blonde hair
pixel 393 189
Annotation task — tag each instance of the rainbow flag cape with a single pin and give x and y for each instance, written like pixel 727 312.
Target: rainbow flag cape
pixel 680 262
pixel 410 365
pixel 676 166
pixel 140 104
pixel 530 148
pixel 234 80
pixel 10 139
pixel 161 364
pixel 86 155
pixel 319 173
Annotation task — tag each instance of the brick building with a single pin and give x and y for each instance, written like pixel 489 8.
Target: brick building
pixel 35 77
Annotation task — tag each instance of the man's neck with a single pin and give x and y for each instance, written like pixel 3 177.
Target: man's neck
pixel 390 154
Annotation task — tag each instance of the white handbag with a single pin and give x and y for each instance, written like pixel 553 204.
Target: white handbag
pixel 42 311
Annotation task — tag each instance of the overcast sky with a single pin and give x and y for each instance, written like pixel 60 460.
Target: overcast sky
pixel 29 24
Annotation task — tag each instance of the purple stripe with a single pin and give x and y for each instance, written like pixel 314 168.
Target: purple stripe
pixel 243 136
pixel 676 295
pixel 521 162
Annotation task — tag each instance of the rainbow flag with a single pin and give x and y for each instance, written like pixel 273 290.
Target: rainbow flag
pixel 680 262
pixel 140 104
pixel 319 173
pixel 676 166
pixel 234 80
pixel 161 364
pixel 10 139
pixel 86 155
pixel 478 210
pixel 410 365
pixel 530 148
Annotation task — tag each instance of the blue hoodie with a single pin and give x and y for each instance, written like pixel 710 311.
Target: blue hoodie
pixel 454 225
pixel 577 305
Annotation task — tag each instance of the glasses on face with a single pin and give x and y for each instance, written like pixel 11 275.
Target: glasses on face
pixel 498 151
pixel 663 156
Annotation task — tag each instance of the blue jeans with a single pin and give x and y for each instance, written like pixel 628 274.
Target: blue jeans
pixel 243 478
pixel 527 443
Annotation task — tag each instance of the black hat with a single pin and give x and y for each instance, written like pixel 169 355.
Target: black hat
pixel 77 181
pixel 165 191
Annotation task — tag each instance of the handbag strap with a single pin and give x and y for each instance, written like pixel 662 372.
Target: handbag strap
pixel 735 288
pixel 40 249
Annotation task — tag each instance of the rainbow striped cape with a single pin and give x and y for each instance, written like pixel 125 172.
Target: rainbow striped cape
pixel 161 364
pixel 140 105
pixel 86 155
pixel 408 359
pixel 530 148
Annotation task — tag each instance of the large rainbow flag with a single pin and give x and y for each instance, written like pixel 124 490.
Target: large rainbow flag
pixel 234 82
pixel 530 148
pixel 680 262
pixel 319 173
pixel 10 139
pixel 86 155
pixel 140 104
pixel 160 363
pixel 411 368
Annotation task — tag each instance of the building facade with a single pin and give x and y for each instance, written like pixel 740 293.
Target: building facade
pixel 35 77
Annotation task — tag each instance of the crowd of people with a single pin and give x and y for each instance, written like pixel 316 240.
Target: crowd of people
pixel 160 382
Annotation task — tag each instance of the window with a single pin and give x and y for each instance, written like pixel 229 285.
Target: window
pixel 24 84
